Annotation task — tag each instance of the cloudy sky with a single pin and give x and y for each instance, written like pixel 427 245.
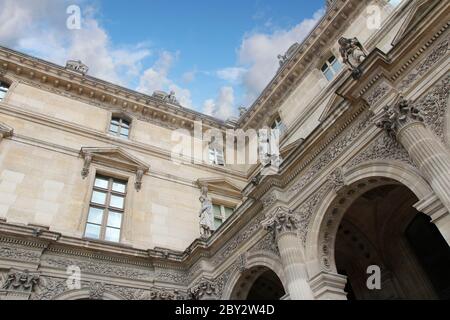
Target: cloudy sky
pixel 215 54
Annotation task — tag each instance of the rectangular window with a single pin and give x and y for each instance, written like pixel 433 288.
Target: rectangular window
pixel 216 156
pixel 3 90
pixel 106 209
pixel 221 214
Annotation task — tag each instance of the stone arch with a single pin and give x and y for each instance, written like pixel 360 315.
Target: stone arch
pixel 83 294
pixel 320 242
pixel 256 263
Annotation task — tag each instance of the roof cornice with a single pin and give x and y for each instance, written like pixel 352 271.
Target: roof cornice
pixel 55 78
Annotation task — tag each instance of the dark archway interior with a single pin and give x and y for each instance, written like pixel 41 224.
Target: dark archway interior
pixel 266 287
pixel 383 228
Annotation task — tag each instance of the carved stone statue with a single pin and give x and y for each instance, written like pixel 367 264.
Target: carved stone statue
pixel 77 66
pixel 20 281
pixel 206 215
pixel 353 53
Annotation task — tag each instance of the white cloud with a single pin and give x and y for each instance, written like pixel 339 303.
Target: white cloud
pixel 222 107
pixel 259 52
pixel 233 74
pixel 157 78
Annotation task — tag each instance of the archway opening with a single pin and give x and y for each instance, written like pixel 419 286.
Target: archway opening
pixel 382 228
pixel 258 283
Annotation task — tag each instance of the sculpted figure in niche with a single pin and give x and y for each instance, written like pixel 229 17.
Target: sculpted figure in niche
pixel 206 215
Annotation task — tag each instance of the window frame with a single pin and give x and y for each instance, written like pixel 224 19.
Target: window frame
pixel 123 122
pixel 223 216
pixel 107 208
pixel 213 156
pixel 334 67
pixel 4 85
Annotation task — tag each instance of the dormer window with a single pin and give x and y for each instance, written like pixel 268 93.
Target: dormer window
pixel 331 68
pixel 216 156
pixel 3 89
pixel 120 127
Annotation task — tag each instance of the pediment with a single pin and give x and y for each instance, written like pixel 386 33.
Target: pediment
pixel 221 186
pixel 417 12
pixel 115 157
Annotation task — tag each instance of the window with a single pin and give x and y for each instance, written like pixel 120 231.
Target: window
pixel 278 125
pixel 3 90
pixel 331 68
pixel 120 127
pixel 216 156
pixel 106 209
pixel 221 214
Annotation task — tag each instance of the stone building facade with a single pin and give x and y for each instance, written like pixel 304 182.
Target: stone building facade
pixel 89 188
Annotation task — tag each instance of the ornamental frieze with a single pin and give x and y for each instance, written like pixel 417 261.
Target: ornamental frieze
pixel 99 268
pixel 19 254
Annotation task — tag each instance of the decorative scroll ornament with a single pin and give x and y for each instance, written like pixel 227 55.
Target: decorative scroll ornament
pixel 280 221
pixel 138 182
pixel 96 291
pixel 204 290
pixel 21 281
pixel 398 116
pixel 206 215
pixel 86 165
pixel 336 179
pixel 353 53
pixel 77 66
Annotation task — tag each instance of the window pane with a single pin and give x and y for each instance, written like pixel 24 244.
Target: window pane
pixel 101 183
pixel 124 132
pixel 114 128
pixel 329 74
pixel 228 212
pixel 217 212
pixel 125 124
pixel 95 215
pixel 337 66
pixel 117 202
pixel 324 68
pixel 99 197
pixel 2 94
pixel 119 187
pixel 217 223
pixel 92 231
pixel 115 121
pixel 112 235
pixel 115 219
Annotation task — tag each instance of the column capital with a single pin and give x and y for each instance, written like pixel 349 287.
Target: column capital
pixel 281 220
pixel 397 116
pixel 204 290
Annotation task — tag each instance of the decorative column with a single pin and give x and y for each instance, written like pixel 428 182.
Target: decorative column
pixel 404 122
pixel 284 224
pixel 204 290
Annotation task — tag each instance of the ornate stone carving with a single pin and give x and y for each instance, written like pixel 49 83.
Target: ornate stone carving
pixel 332 152
pixel 98 267
pixel 19 254
pixel 156 294
pixel 23 281
pixel 49 288
pixel 382 148
pixel 434 57
pixel 378 93
pixel 353 53
pixel 86 165
pixel 96 290
pixel 336 179
pixel 2 72
pixel 170 98
pixel 138 182
pixel 266 244
pixel 280 221
pixel 269 200
pixel 283 58
pixel 77 66
pixel 206 215
pixel 174 277
pixel 434 106
pixel 397 116
pixel 204 289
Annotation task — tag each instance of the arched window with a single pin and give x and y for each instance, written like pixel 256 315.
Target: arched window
pixel 331 68
pixel 3 89
pixel 120 127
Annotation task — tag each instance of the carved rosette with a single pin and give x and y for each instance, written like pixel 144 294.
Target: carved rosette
pixel 204 290
pixel 96 291
pixel 396 117
pixel 282 220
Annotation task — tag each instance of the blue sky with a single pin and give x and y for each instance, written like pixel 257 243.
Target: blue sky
pixel 216 55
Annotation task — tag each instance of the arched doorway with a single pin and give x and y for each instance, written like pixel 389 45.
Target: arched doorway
pixel 380 227
pixel 258 283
